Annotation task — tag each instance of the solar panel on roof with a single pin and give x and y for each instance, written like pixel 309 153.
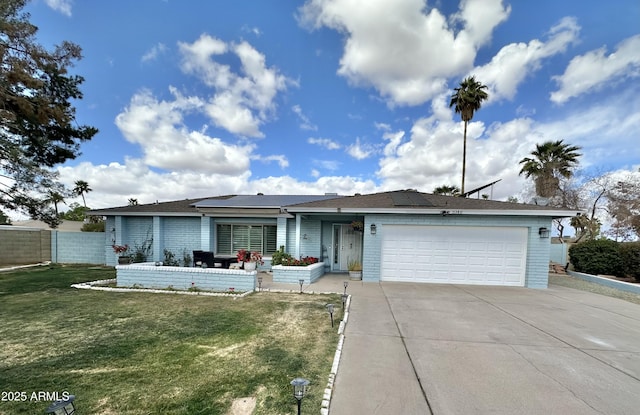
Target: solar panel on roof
pixel 409 199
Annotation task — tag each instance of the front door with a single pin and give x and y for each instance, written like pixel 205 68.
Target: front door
pixel 347 246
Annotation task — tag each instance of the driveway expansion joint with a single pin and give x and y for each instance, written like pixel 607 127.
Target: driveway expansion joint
pixel 404 345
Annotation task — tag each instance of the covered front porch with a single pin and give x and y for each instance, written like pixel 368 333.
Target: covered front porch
pixel 337 240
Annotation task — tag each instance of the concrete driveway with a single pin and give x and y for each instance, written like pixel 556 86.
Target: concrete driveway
pixel 452 349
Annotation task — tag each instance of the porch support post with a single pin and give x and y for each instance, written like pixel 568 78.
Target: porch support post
pixel 205 233
pixel 281 233
pixel 158 239
pixel 298 233
pixel 119 236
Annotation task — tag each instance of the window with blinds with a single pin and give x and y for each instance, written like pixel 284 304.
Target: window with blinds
pixel 231 238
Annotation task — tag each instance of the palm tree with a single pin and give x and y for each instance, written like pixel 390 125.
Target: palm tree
pixel 446 190
pixel 466 100
pixel 551 161
pixel 55 198
pixel 81 189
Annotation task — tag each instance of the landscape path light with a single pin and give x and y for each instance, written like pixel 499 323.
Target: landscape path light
pixel 330 308
pixel 259 282
pixel 62 407
pixel 345 296
pixel 301 283
pixel 346 284
pixel 299 389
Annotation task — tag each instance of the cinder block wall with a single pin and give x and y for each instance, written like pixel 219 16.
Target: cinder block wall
pixel 21 246
pixel 78 247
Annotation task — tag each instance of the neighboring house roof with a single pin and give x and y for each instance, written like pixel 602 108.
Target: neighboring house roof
pixel 175 207
pixel 262 201
pixel 65 225
pixel 414 202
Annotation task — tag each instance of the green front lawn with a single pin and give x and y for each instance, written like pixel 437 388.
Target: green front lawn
pixel 138 353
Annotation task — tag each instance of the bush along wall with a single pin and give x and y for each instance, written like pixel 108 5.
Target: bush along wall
pixel 630 255
pixel 595 257
pixel 604 256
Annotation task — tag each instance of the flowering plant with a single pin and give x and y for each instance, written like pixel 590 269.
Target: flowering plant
pixel 357 225
pixel 302 262
pixel 120 249
pixel 249 256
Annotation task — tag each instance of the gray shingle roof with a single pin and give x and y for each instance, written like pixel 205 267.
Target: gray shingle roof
pixel 411 199
pixel 404 200
pixel 263 201
pixel 174 206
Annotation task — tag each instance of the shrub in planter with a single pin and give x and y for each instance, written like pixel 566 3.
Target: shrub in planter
pixel 278 257
pixel 170 259
pixel 630 255
pixel 595 257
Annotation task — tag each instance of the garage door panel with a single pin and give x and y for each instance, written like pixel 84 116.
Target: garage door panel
pixel 454 254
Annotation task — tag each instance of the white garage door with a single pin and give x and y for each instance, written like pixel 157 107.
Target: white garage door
pixel 454 254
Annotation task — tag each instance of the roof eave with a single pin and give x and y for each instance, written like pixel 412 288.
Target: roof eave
pixel 129 213
pixel 440 211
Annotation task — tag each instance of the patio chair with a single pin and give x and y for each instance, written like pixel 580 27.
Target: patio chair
pixel 207 258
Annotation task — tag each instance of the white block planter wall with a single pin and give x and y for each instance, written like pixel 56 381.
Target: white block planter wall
pixel 148 275
pixel 293 275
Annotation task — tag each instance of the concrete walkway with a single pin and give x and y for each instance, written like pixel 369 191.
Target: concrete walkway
pixel 459 349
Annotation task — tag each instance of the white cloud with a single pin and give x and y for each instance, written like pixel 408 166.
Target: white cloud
pixel 324 142
pixel 480 18
pixel 167 143
pixel 305 123
pixel 514 62
pixel 332 165
pixel 614 121
pixel 254 30
pixel 62 6
pixel 114 183
pixel 154 52
pixel 281 159
pixel 360 150
pixel 242 101
pixel 394 141
pixel 398 47
pixel 595 69
pixel 343 185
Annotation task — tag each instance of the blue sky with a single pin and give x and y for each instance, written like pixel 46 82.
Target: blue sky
pixel 204 98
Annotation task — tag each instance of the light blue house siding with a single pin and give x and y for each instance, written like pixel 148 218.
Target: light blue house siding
pixel 310 240
pixel 176 234
pixel 179 235
pixel 537 268
pixel 291 237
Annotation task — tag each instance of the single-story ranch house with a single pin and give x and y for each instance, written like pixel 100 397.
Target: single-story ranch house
pixel 398 236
